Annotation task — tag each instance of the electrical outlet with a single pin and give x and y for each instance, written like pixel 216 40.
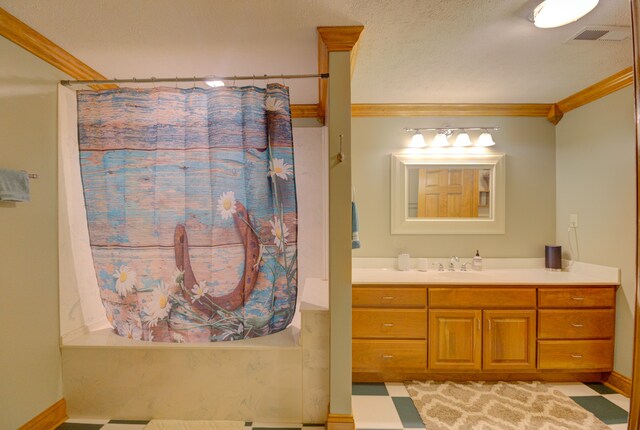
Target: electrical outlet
pixel 573 220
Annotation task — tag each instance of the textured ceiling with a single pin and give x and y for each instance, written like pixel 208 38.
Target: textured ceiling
pixel 411 51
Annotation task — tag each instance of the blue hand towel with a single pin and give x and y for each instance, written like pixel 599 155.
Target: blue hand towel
pixel 14 186
pixel 355 235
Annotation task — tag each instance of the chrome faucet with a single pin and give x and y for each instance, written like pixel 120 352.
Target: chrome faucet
pixel 452 266
pixel 439 266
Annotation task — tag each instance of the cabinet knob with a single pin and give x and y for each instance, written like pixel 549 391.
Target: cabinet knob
pixel 387 325
pixel 576 325
pixel 387 356
pixel 576 355
pixel 388 298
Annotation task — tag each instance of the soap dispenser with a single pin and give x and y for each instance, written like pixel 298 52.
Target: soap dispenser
pixel 477 261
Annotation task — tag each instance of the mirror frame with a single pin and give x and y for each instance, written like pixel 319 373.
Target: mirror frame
pixel 401 223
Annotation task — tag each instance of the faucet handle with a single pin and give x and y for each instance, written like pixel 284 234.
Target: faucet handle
pixel 463 267
pixel 440 266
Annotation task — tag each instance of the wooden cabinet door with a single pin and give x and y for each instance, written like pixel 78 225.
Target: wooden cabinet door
pixel 455 339
pixel 509 339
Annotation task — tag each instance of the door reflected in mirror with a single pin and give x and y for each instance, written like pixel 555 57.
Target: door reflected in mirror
pixel 448 192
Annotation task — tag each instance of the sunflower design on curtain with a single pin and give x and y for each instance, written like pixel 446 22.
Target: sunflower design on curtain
pixel 191 205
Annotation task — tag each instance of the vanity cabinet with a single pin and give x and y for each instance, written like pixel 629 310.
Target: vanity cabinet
pixel 496 335
pixel 576 328
pixel 389 329
pixel 455 339
pixel 483 331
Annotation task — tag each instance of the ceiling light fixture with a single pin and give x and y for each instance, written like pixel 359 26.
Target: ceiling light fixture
pixel 556 13
pixel 441 138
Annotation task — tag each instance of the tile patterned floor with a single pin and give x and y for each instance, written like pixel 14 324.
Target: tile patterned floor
pixel 388 407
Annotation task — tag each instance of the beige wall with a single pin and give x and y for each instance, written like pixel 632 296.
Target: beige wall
pixel 529 145
pixel 595 162
pixel 29 355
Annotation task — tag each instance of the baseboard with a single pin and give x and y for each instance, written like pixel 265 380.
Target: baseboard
pixel 340 422
pixel 618 382
pixel 48 419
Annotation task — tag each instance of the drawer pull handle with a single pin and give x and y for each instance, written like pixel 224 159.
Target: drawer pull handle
pixel 388 298
pixel 577 325
pixel 576 355
pixel 387 325
pixel 387 357
pixel 577 298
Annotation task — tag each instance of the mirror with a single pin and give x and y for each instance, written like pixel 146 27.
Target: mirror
pixel 447 193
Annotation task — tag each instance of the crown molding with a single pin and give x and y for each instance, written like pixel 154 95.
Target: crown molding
pixel 334 39
pixel 22 35
pixel 596 91
pixel 450 109
pixel 304 111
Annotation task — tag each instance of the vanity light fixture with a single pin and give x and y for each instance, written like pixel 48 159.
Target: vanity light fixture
pixel 441 138
pixel 485 139
pixel 417 141
pixel 463 139
pixel 556 13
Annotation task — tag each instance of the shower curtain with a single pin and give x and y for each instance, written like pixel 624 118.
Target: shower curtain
pixel 191 209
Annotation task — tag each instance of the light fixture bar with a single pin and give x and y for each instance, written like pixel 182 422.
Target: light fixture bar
pixel 451 129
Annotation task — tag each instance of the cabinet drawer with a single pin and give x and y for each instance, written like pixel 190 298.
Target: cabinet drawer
pixel 575 354
pixel 398 323
pixel 492 298
pixel 394 297
pixel 380 355
pixel 575 324
pixel 603 297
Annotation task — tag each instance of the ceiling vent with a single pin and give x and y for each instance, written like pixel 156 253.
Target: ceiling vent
pixel 602 34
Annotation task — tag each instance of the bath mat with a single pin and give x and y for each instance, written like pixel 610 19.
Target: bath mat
pixel 193 425
pixel 445 405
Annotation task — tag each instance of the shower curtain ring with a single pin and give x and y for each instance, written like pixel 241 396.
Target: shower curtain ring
pixel 153 81
pixel 282 74
pixel 234 80
pixel 254 81
pixel 194 82
pixel 176 82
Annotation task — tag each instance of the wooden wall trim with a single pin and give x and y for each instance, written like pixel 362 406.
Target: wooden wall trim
pixel 340 422
pixel 22 35
pixel 333 39
pixel 619 382
pixel 598 90
pixel 450 109
pixel 304 111
pixel 48 419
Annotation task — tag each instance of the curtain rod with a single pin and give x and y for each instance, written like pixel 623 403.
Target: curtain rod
pixel 193 79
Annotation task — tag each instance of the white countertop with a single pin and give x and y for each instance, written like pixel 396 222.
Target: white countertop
pixel 498 272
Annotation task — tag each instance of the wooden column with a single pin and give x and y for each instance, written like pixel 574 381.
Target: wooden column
pixel 335 48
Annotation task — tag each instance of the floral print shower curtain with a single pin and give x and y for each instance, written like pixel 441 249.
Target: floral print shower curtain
pixel 191 206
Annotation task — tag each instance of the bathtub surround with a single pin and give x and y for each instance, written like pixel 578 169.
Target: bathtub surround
pixel 283 377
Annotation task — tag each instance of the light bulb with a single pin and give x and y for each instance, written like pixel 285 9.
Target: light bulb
pixel 555 13
pixel 215 83
pixel 440 140
pixel 417 141
pixel 463 139
pixel 485 139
